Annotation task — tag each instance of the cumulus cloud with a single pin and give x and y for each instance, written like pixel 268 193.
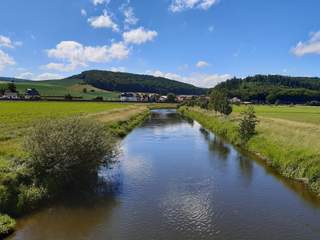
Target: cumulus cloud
pixel 6 42
pixel 99 2
pixel 197 79
pixel 117 69
pixel 139 36
pixel 103 21
pixel 42 76
pixel 74 54
pixel 5 60
pixel 25 75
pixel 202 64
pixel 130 18
pixel 48 76
pixel 312 46
pixel 181 5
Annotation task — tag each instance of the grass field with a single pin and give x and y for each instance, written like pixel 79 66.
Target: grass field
pixel 17 117
pixel 62 88
pixel 303 114
pixel 287 137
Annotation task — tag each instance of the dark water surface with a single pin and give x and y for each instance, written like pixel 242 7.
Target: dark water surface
pixel 177 181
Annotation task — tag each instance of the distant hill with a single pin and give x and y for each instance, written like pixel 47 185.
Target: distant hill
pixel 273 88
pixel 128 82
pixel 60 88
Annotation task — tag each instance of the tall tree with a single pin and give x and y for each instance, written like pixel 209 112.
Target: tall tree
pixel 219 102
pixel 12 87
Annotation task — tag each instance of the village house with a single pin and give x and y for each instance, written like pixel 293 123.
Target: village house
pixel 128 97
pixel 235 100
pixel 32 94
pixel 8 94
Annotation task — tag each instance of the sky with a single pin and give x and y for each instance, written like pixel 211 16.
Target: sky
pixel 202 42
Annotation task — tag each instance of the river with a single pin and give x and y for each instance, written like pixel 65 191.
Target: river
pixel 175 180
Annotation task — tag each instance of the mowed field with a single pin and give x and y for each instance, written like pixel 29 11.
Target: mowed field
pixel 297 127
pixel 303 114
pixel 62 88
pixel 16 118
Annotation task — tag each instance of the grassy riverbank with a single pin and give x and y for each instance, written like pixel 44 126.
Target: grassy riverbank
pixel 17 194
pixel 287 138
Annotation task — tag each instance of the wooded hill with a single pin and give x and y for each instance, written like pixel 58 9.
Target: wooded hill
pixel 273 88
pixel 128 82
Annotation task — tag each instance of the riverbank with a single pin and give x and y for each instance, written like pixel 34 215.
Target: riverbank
pixel 17 193
pixel 284 140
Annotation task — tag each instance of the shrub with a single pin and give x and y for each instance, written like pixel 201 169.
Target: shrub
pixel 7 225
pixel 30 197
pixel 248 124
pixel 67 152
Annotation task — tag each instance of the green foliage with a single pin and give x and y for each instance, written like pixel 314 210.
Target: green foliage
pixel 219 102
pixel 273 88
pixel 122 128
pixel 171 97
pixel 247 126
pixel 30 198
pixel 68 97
pixel 127 82
pixel 62 150
pixel 12 87
pixel 7 225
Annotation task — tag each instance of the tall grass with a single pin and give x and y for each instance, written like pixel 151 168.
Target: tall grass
pixel 292 147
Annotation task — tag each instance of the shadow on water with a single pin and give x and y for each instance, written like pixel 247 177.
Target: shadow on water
pixel 245 163
pixel 77 213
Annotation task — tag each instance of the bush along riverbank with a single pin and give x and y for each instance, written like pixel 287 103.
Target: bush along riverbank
pixel 54 153
pixel 279 142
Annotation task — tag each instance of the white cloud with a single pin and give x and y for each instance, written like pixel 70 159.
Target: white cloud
pixel 74 54
pixel 48 76
pixel 25 75
pixel 130 17
pixel 83 12
pixel 42 76
pixel 6 42
pixel 139 36
pixel 181 5
pixel 103 21
pixel 197 79
pixel 202 64
pixel 98 2
pixel 117 69
pixel 312 46
pixel 5 60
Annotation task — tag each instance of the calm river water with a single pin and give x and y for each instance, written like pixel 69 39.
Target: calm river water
pixel 177 181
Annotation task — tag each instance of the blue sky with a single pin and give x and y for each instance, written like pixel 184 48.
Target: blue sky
pixel 201 42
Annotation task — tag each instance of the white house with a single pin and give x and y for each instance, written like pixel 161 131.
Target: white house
pixel 10 95
pixel 128 97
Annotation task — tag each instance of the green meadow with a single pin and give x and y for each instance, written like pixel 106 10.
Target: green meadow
pixel 287 137
pixel 63 87
pixel 17 117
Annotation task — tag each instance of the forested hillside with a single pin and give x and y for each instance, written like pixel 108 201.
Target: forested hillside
pixel 127 82
pixel 273 88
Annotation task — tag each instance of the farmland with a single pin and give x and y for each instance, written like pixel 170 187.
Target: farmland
pixel 17 117
pixel 76 88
